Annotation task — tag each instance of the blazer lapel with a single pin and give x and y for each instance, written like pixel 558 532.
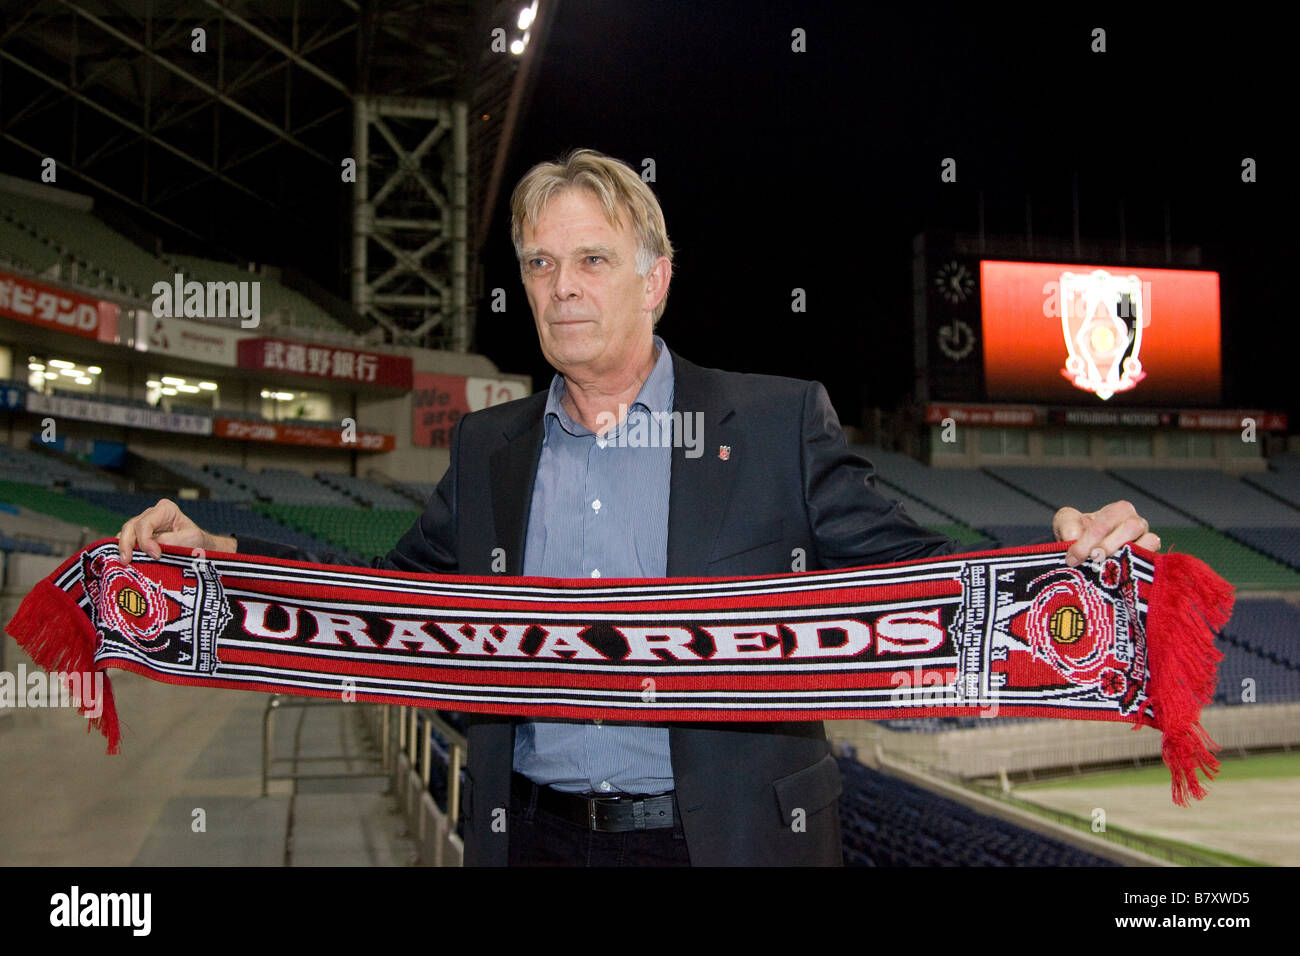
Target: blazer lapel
pixel 514 467
pixel 700 487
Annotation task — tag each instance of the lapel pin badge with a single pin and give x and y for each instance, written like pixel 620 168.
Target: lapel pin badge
pixel 724 452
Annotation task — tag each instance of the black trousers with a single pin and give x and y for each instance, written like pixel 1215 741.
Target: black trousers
pixel 538 838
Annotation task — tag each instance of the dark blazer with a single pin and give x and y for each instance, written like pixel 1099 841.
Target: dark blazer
pixel 787 494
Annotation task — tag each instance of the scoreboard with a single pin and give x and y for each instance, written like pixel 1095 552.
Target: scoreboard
pixel 1058 333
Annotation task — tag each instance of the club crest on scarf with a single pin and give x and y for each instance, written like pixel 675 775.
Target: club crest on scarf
pixel 126 604
pixel 1072 629
pixel 137 615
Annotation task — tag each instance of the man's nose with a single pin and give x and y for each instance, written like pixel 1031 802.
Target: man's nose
pixel 566 281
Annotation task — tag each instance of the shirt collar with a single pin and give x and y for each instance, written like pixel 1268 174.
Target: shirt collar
pixel 656 394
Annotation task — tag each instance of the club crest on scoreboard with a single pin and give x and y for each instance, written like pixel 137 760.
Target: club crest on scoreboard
pixel 1102 317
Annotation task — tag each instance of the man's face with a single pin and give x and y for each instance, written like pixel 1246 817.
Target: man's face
pixel 594 314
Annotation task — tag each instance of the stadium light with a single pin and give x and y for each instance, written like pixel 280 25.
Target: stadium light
pixel 60 363
pixel 84 380
pixel 527 15
pixel 69 372
pixel 94 370
pixel 208 386
pixel 169 391
pixel 154 383
pixel 188 389
pixel 517 47
pixel 50 375
pixel 172 380
pixel 35 366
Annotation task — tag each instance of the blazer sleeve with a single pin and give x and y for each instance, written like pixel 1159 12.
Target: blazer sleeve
pixel 853 523
pixel 428 546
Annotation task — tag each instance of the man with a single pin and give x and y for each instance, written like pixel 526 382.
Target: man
pixel 555 485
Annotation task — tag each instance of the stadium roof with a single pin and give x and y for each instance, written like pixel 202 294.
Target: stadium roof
pixel 233 146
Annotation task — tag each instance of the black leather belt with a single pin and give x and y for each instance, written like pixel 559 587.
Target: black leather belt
pixel 606 813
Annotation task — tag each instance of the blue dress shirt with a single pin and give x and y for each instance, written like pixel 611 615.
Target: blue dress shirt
pixel 600 509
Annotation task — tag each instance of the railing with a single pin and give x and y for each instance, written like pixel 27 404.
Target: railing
pixel 278 702
pixel 409 731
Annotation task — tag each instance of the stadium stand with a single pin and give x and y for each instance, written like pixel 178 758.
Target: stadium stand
pixel 219 517
pixel 1014 506
pixel 114 261
pixel 66 507
pixel 278 303
pixel 418 491
pixel 8 543
pixel 972 497
pixel 890 822
pixel 1281 544
pixel 1285 461
pixel 355 530
pixel 18 464
pixel 1283 483
pixel 23 248
pixel 1212 497
pixel 1086 489
pixel 369 493
pixel 216 487
pixel 1270 682
pixel 1269 628
pixel 279 484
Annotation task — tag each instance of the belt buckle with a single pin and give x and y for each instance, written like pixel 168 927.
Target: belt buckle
pixel 594 803
pixel 593 807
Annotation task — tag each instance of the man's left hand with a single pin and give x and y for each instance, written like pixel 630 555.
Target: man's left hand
pixel 1103 532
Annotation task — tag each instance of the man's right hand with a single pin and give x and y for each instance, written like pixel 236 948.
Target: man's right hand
pixel 165 524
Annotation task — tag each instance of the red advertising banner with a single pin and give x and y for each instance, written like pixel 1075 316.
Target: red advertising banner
pixel 1232 421
pixel 1071 334
pixel 325 362
pixel 982 414
pixel 285 434
pixel 1225 419
pixel 39 304
pixel 439 401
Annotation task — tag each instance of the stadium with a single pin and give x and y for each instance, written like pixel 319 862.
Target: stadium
pixel 252 260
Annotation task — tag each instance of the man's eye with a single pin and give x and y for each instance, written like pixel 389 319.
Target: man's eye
pixel 594 259
pixel 536 263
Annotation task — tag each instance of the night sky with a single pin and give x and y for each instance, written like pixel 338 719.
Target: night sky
pixel 779 170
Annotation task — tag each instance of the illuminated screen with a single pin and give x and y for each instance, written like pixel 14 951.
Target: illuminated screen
pixel 1100 334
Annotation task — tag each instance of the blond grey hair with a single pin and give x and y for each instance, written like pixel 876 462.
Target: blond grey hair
pixel 625 199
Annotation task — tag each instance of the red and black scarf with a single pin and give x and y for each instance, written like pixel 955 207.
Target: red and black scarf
pixel 999 633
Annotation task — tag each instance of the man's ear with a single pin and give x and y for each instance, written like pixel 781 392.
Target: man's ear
pixel 656 283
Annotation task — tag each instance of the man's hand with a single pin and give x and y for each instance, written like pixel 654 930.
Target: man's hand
pixel 1103 532
pixel 165 524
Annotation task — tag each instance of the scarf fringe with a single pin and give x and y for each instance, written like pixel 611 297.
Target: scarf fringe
pixel 55 633
pixel 1189 605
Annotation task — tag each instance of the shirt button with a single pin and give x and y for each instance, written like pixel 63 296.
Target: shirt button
pixel 604 785
pixel 595 505
pixel 597 721
pixel 596 573
pixel 601 443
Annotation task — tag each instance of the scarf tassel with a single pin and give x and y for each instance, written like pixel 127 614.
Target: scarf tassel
pixel 1189 604
pixel 52 629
